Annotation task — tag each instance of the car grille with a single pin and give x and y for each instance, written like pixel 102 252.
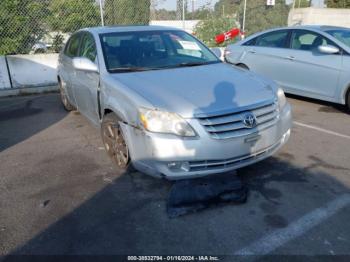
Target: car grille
pixel 231 162
pixel 230 125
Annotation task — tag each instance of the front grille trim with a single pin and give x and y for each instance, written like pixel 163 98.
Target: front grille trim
pixel 231 125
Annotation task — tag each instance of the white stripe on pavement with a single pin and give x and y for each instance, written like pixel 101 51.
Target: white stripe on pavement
pixel 322 130
pixel 278 238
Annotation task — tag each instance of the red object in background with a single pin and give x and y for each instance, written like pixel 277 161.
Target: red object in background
pixel 228 35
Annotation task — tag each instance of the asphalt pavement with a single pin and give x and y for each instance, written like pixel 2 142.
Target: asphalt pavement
pixel 61 195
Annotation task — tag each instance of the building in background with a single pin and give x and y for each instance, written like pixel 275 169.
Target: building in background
pixel 319 16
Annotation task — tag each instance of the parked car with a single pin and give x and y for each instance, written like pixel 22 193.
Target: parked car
pixel 311 61
pixel 165 103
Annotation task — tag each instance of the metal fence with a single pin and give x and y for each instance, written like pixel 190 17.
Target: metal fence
pixel 34 26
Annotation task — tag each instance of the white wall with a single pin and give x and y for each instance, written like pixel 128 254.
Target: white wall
pixel 4 75
pixel 33 70
pixel 319 16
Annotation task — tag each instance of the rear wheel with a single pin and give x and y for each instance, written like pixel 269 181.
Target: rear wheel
pixel 66 104
pixel 114 141
pixel 348 100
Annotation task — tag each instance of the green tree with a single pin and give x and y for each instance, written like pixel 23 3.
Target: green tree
pixel 71 15
pixel 123 12
pixel 163 14
pixel 261 17
pixel 21 25
pixel 338 3
pixel 206 30
pixel 202 13
pixel 226 7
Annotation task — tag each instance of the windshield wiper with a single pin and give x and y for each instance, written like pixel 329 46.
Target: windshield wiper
pixel 130 69
pixel 192 64
pixel 185 64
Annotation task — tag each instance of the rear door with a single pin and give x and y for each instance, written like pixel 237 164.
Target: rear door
pixel 86 83
pixel 311 72
pixel 266 54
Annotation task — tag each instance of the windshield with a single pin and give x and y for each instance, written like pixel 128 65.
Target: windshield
pixel 342 35
pixel 152 50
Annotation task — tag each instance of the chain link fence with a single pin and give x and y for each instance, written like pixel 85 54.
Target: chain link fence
pixel 34 26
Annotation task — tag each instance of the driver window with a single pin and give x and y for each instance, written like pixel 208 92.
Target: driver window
pixel 307 40
pixel 88 47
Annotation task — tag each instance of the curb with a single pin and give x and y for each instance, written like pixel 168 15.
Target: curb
pixel 28 90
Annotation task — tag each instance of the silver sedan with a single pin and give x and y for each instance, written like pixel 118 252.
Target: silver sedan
pixel 311 61
pixel 167 105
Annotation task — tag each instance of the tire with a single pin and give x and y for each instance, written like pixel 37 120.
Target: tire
pixel 348 100
pixel 243 66
pixel 114 141
pixel 66 104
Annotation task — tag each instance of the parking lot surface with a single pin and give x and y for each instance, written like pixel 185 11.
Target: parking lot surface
pixel 60 193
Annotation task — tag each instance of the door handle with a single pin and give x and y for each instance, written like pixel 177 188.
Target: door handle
pixel 290 58
pixel 252 51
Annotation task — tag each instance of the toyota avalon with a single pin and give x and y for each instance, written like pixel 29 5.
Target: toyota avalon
pixel 167 105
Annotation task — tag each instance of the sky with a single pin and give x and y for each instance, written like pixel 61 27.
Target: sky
pixel 171 4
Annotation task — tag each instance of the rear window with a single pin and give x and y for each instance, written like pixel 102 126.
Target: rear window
pixel 72 48
pixel 273 39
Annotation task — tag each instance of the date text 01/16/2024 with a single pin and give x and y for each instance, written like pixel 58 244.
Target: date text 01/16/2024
pixel 173 258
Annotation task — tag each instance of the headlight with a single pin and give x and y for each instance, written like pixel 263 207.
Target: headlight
pixel 281 98
pixel 165 122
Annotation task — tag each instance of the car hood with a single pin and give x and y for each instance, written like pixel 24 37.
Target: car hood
pixel 199 90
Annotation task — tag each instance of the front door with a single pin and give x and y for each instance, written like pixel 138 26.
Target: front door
pixel 86 83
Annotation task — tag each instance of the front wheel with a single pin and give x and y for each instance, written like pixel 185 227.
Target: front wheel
pixel 66 104
pixel 114 141
pixel 348 100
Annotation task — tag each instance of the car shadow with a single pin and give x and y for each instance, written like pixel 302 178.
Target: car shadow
pixel 324 106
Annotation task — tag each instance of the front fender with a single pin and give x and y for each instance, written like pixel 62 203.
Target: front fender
pixel 121 100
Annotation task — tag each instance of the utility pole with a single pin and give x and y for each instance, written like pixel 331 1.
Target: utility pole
pixel 101 13
pixel 183 14
pixel 192 9
pixel 244 11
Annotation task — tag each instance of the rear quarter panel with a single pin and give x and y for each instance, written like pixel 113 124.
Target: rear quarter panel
pixel 234 54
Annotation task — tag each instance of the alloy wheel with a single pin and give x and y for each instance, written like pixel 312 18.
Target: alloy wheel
pixel 115 144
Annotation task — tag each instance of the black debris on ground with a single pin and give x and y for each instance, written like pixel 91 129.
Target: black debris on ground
pixel 187 196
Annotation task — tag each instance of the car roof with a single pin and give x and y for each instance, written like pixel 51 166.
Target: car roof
pixel 321 28
pixel 126 28
pixel 314 27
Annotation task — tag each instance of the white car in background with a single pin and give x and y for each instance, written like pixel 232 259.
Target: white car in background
pixel 311 61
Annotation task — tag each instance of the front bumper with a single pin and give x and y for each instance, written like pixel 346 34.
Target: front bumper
pixel 173 157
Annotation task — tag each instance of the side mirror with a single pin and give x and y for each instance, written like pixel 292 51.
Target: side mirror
pixel 84 64
pixel 328 49
pixel 217 51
